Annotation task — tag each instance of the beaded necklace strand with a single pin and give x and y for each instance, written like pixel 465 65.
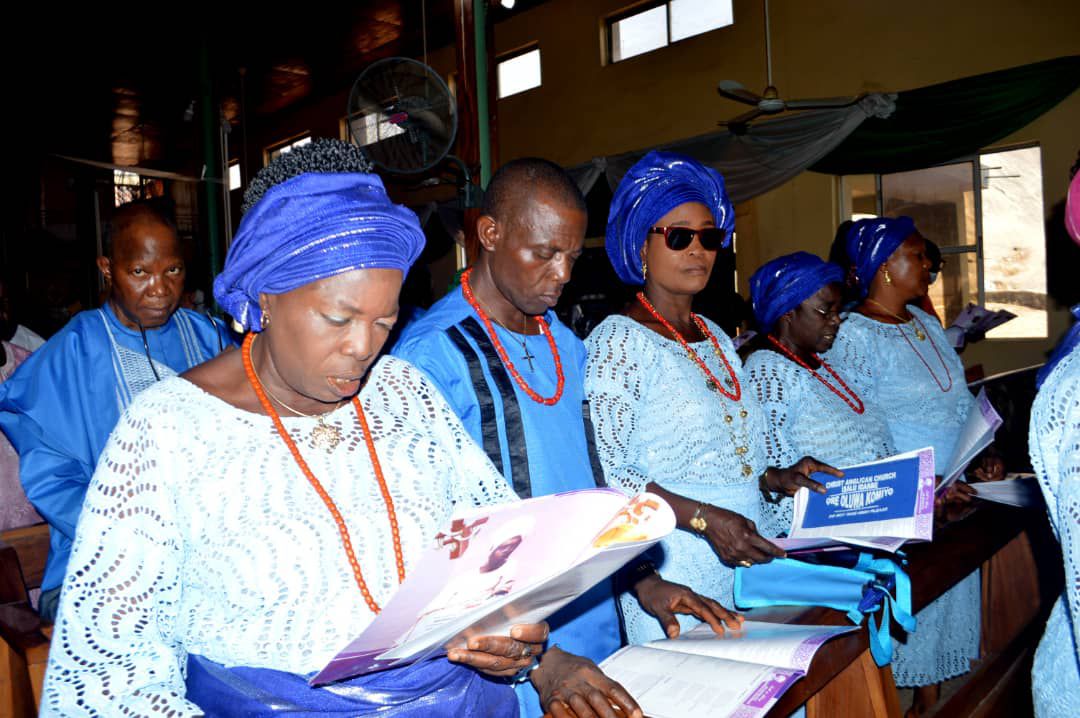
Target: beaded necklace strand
pixel 346 541
pixel 711 381
pixel 466 289
pixel 848 395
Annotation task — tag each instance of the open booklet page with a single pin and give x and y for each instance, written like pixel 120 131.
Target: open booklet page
pixel 701 674
pixel 976 434
pixel 499 566
pixel 878 505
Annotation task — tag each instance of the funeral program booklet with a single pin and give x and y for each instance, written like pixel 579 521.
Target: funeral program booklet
pixel 880 504
pixel 498 566
pixel 739 674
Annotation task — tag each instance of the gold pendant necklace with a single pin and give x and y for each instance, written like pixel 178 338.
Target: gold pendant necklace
pixel 919 333
pixel 324 436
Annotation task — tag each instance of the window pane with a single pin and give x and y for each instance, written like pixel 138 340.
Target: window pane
pixel 519 73
pixel 1014 242
pixel 956 286
pixel 639 33
pixel 693 17
pixel 941 200
pixel 858 197
pixel 375 127
pixel 234 176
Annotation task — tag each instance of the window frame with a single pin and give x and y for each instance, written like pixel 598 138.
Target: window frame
pixel 511 55
pixel 975 159
pixel 607 46
pixel 269 150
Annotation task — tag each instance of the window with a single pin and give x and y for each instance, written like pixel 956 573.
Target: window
pixel 368 129
pixel 272 153
pixel 127 187
pixel 986 215
pixel 234 176
pixel 644 29
pixel 519 72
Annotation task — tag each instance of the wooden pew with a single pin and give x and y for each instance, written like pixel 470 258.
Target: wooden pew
pixel 24 640
pixel 1022 577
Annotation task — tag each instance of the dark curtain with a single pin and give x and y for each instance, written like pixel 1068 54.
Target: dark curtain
pixel 939 123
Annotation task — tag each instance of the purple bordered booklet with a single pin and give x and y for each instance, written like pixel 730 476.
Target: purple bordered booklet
pixel 881 504
pixel 495 567
pixel 738 675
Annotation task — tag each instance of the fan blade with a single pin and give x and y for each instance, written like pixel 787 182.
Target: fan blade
pixel 820 103
pixel 743 118
pixel 735 91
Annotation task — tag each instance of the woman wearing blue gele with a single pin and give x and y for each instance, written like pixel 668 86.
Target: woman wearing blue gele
pixel 667 391
pixel 900 362
pixel 251 517
pixel 797 303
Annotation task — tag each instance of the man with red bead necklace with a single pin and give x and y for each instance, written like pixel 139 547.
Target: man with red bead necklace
pixel 514 374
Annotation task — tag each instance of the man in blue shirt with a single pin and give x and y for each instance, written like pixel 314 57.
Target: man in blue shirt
pixel 60 406
pixel 514 374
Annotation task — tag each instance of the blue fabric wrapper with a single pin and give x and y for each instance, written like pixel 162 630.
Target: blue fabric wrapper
pixel 432 689
pixel 779 286
pixel 871 241
pixel 657 184
pixel 309 228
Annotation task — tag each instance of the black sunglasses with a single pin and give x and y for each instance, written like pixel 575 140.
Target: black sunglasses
pixel 679 238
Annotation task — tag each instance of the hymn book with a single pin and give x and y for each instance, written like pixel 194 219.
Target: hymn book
pixel 740 674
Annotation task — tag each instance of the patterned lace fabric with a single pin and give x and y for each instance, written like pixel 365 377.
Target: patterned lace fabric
pixel 804 418
pixel 902 378
pixel 898 374
pixel 1054 443
pixel 656 421
pixel 201 535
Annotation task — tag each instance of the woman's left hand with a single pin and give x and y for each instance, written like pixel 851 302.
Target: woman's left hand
pixel 663 599
pixel 788 481
pixel 503 656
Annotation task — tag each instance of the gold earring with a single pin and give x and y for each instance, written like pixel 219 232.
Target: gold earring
pixel 264 320
pixel 888 279
pixel 644 270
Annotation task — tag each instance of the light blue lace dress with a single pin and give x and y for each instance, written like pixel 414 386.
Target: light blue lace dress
pixel 917 386
pixel 804 418
pixel 1054 443
pixel 655 420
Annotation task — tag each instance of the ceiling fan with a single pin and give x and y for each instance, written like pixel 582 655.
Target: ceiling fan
pixel 769 101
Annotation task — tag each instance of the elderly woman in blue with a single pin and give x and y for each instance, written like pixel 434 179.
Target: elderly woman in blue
pixel 796 300
pixel 666 388
pixel 900 362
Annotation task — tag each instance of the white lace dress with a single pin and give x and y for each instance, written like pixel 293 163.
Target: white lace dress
pixel 200 535
pixel 655 420
pixel 1054 442
pixel 918 387
pixel 804 418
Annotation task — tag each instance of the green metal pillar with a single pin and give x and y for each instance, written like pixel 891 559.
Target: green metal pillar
pixel 210 122
pixel 482 108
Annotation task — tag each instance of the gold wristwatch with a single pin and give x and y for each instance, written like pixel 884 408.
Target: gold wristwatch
pixel 697 521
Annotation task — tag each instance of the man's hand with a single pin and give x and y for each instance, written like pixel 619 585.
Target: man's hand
pixel 503 656
pixel 664 599
pixel 574 687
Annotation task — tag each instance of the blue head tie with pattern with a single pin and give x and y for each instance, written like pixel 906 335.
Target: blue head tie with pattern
pixel 779 286
pixel 657 184
pixel 311 227
pixel 871 241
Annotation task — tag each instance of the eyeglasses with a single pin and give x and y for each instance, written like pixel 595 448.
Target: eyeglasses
pixel 829 315
pixel 679 238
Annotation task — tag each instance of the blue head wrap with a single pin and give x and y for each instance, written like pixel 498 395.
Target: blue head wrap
pixel 311 227
pixel 779 286
pixel 657 184
pixel 871 241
